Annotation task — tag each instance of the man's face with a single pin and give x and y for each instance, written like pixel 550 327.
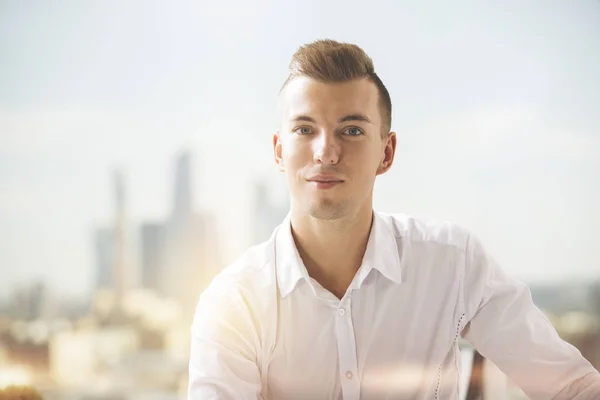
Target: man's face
pixel 331 146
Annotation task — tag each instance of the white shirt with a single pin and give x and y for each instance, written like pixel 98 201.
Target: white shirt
pixel 264 327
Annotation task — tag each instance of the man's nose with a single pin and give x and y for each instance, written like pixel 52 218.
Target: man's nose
pixel 326 149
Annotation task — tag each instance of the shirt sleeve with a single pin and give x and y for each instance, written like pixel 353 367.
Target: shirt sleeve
pixel 223 358
pixel 506 327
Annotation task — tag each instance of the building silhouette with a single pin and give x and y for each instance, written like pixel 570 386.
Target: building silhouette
pixel 104 249
pixel 114 267
pixel 120 264
pixel 190 250
pixel 267 213
pixel 179 256
pixel 153 240
pixel 183 200
pixel 31 302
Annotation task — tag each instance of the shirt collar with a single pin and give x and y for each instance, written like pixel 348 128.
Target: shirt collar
pixel 290 268
pixel 381 254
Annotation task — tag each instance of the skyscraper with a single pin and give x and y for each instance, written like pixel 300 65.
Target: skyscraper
pixel 153 241
pixel 113 262
pixel 32 302
pixel 190 252
pixel 267 213
pixel 183 196
pixel 178 257
pixel 104 248
pixel 120 262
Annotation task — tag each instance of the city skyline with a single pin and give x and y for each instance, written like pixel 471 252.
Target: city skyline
pixel 176 256
pixel 497 127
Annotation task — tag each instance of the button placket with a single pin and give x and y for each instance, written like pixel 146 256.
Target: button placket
pixel 347 350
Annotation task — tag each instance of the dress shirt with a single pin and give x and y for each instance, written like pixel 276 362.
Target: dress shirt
pixel 265 329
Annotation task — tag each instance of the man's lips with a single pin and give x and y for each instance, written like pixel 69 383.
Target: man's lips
pixel 325 182
pixel 325 179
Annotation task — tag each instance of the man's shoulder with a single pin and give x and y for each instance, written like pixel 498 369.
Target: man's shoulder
pixel 251 270
pixel 246 286
pixel 426 230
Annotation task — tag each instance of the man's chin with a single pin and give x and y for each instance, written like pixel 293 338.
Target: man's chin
pixel 327 212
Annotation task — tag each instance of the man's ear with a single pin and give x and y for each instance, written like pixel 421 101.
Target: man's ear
pixel 277 151
pixel 388 154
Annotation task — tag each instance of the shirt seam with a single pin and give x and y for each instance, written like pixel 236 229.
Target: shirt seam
pixel 452 348
pixel 433 241
pixel 462 277
pixel 573 383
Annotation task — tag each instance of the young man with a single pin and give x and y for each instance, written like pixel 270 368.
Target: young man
pixel 345 302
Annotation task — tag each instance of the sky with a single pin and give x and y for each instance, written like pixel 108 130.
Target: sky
pixel 495 106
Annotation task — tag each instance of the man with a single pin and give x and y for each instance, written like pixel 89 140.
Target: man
pixel 345 302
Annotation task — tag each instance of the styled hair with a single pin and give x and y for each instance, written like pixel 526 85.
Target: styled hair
pixel 330 61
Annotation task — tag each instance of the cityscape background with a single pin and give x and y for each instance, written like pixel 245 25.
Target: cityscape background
pixel 135 162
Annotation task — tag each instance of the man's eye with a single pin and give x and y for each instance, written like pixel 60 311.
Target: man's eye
pixel 354 132
pixel 303 130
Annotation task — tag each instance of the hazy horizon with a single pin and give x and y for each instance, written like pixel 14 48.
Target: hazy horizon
pixel 495 106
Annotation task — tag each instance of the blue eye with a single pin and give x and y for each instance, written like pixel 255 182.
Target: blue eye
pixel 303 130
pixel 354 132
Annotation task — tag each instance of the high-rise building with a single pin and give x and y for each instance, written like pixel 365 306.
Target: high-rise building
pixel 178 257
pixel 32 302
pixel 153 242
pixel 104 248
pixel 183 201
pixel 120 262
pixel 267 213
pixel 190 251
pixel 113 261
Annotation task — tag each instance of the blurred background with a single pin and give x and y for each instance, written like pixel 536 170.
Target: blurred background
pixel 136 162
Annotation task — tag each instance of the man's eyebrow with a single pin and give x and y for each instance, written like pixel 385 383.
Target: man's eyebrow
pixel 351 117
pixel 354 117
pixel 305 118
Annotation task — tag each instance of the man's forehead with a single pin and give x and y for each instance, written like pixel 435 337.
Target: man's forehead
pixel 306 96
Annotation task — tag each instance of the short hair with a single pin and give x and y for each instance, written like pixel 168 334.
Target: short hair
pixel 331 61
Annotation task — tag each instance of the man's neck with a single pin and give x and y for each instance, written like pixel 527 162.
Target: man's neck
pixel 332 250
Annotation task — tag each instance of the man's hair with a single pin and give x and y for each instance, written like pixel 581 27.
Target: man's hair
pixel 330 61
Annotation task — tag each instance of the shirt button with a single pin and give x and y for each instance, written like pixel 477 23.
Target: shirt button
pixel 349 374
pixel 341 312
